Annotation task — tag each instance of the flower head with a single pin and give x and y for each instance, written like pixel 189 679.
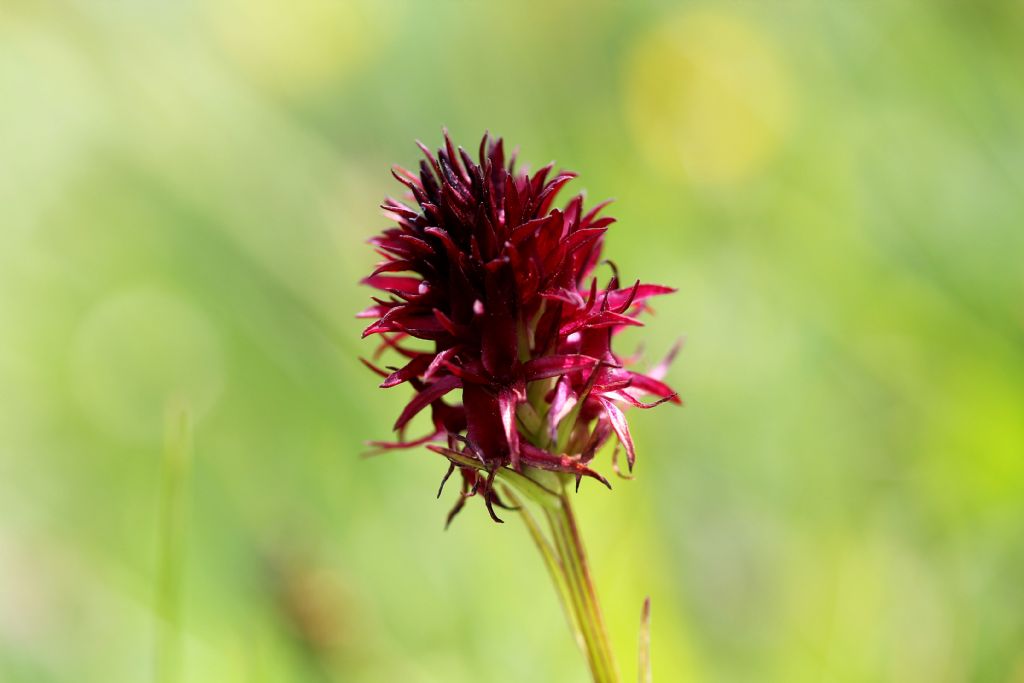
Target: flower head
pixel 500 283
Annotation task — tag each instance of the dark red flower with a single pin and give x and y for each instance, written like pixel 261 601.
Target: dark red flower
pixel 500 283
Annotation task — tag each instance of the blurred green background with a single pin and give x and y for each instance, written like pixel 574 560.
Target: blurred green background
pixel 835 188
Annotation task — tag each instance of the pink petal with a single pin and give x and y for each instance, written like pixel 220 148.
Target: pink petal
pixel 621 427
pixel 507 406
pixel 562 403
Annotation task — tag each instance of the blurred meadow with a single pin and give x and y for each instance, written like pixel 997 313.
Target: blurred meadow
pixel 837 190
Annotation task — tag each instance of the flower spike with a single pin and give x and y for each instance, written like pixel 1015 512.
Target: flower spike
pixel 498 284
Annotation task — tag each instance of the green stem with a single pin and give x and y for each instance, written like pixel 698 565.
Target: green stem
pixel 566 561
pixel 586 637
pixel 578 571
pixel 552 562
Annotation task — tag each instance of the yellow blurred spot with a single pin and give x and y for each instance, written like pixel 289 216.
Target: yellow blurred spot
pixel 706 97
pixel 291 47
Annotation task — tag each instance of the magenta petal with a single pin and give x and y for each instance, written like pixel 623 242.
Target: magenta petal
pixel 373 367
pixel 541 459
pixel 583 237
pixel 391 267
pixel 380 446
pixel 439 362
pixel 626 397
pixel 387 342
pixel 428 395
pixel 650 385
pixel 555 366
pixel 618 297
pixel 568 296
pixel 592 214
pixel 372 312
pixel 412 369
pixel 471 372
pixel 598 320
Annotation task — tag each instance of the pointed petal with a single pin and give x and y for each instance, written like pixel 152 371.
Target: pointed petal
pixel 617 298
pixel 373 367
pixel 649 385
pixel 541 459
pixel 507 406
pixel 621 427
pixel 661 369
pixel 392 267
pixel 411 369
pixel 557 365
pixel 428 395
pixel 626 397
pixel 439 362
pixel 381 446
pixel 407 285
